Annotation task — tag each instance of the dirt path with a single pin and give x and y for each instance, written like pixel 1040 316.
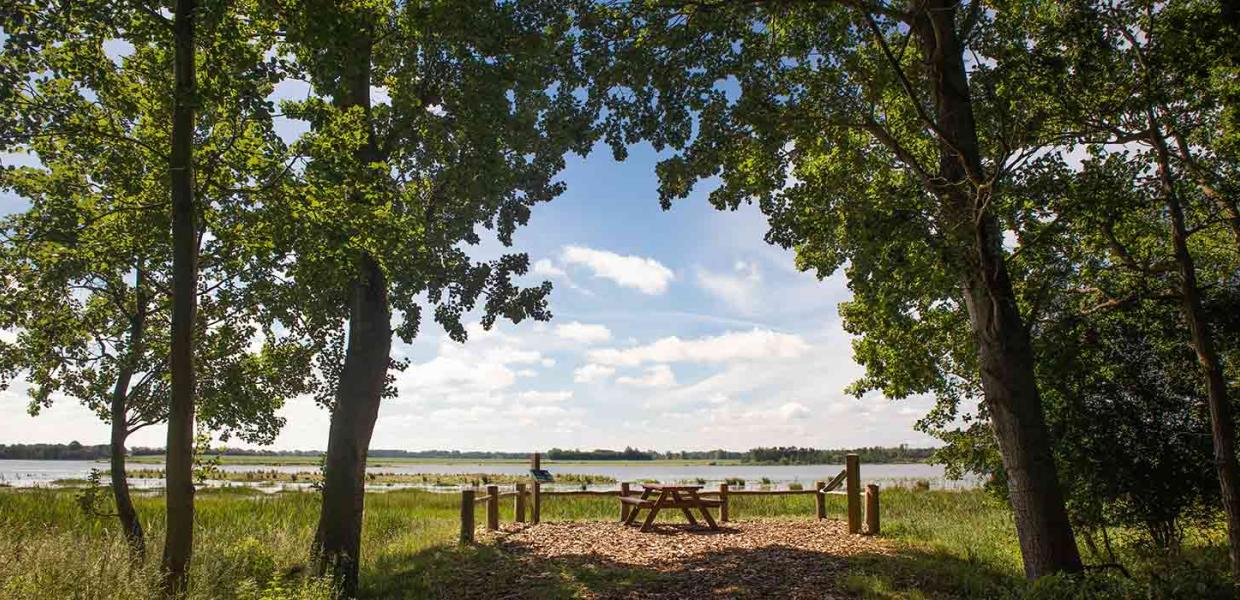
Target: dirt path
pixel 750 559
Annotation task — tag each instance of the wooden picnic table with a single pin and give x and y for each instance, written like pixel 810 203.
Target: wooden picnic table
pixel 684 497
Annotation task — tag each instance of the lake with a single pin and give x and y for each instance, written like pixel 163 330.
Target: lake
pixel 44 472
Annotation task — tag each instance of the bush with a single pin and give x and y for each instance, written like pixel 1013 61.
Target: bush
pixel 250 558
pixel 281 588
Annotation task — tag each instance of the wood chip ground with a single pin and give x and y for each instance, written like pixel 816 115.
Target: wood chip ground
pixel 749 559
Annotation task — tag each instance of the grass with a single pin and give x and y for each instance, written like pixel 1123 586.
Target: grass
pixel 372 478
pixel 251 545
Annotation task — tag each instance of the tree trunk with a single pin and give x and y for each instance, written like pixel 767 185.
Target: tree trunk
pixel 1006 358
pixel 363 378
pixel 179 538
pixel 1221 423
pixel 1005 353
pixel 1204 179
pixel 125 511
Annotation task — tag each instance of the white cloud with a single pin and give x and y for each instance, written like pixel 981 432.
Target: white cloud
pixel 646 275
pixel 585 333
pixel 738 289
pixel 539 397
pixel 793 410
pixel 656 376
pixel 472 372
pixel 758 344
pixel 545 268
pixel 591 373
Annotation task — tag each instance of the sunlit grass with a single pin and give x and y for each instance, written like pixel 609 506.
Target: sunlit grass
pixel 251 545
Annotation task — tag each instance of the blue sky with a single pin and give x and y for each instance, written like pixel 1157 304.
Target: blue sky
pixel 677 329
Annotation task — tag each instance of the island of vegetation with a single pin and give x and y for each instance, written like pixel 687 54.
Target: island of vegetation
pixel 789 455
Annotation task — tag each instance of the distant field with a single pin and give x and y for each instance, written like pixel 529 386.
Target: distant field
pixel 382 461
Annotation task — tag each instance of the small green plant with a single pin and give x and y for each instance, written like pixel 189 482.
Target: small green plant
pixel 93 497
pixel 206 466
pixel 796 486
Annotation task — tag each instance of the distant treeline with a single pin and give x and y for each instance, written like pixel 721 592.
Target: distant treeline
pixel 626 454
pixel 793 455
pixel 789 455
pixel 784 455
pixel 70 451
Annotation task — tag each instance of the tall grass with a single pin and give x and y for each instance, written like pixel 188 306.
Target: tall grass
pixel 251 546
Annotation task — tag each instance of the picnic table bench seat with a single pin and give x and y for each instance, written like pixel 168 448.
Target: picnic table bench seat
pixel 680 497
pixel 634 500
pixel 638 502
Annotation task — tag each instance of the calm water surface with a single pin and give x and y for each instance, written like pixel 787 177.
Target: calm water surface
pixel 44 472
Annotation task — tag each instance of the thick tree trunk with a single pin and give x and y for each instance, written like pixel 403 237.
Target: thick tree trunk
pixel 1006 358
pixel 1221 420
pixel 125 511
pixel 362 380
pixel 1005 353
pixel 179 538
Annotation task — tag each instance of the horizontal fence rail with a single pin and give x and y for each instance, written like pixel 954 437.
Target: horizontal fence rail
pixel 849 477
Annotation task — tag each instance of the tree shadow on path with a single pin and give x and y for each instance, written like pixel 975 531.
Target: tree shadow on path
pixel 502 568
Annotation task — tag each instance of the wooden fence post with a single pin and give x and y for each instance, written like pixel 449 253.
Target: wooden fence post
pixel 467 516
pixel 820 500
pixel 537 508
pixel 723 503
pixel 871 509
pixel 492 507
pixel 535 464
pixel 852 465
pixel 520 507
pixel 624 508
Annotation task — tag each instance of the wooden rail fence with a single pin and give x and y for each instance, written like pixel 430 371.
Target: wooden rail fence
pixel 849 477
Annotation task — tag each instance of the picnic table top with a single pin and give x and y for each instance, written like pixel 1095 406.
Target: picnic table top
pixel 671 487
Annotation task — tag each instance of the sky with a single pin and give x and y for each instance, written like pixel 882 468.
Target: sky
pixel 678 329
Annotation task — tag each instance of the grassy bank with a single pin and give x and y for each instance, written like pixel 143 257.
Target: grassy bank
pixel 251 545
pixel 373 478
pixel 290 460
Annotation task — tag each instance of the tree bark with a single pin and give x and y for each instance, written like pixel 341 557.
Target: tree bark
pixel 125 511
pixel 1005 352
pixel 1222 424
pixel 1204 179
pixel 179 537
pixel 337 543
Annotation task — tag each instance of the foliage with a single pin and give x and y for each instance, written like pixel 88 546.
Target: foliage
pixel 72 451
pixel 599 454
pixel 87 265
pixel 473 87
pixel 792 455
pixel 1091 250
